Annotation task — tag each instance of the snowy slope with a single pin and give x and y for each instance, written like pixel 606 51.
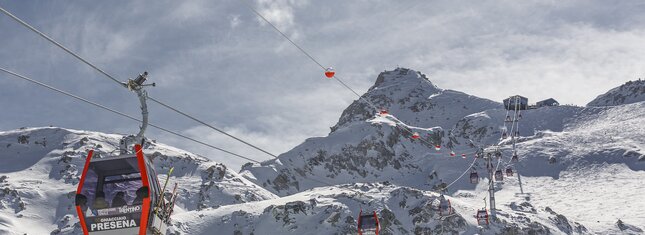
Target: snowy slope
pixel 334 210
pixel 591 171
pixel 630 92
pixel 327 210
pixel 366 147
pixel 38 178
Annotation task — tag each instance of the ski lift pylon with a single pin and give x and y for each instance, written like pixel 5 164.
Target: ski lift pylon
pixel 368 224
pixel 330 72
pixel 509 172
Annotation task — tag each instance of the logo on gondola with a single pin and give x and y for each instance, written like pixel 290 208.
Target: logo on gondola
pixel 119 210
pixel 129 209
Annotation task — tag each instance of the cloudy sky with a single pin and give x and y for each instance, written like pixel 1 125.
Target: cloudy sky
pixel 220 62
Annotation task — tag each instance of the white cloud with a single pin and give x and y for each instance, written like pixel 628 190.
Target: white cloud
pixel 280 13
pixel 235 21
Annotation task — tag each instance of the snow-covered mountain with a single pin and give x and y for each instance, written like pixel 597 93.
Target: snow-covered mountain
pixel 581 170
pixel 628 93
pixel 369 148
pixel 40 169
pixel 363 148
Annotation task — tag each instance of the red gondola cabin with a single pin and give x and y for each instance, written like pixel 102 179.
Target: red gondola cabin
pixel 482 217
pixel 415 135
pixel 116 195
pixel 329 72
pixel 368 224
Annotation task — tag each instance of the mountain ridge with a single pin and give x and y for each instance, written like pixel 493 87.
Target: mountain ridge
pixel 628 93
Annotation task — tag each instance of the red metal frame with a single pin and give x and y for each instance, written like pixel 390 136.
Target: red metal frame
pixel 145 210
pixel 378 225
pixel 87 164
pixel 358 225
pixel 79 211
pixel 81 219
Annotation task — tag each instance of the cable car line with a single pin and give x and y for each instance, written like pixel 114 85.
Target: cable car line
pixel 306 53
pixel 189 116
pixel 151 98
pixel 212 127
pixel 122 114
pixel 151 124
pixel 183 113
pixel 462 175
pixel 404 127
pixel 58 44
pixel 123 85
pixel 25 24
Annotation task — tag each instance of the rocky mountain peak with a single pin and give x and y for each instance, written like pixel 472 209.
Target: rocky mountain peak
pixel 411 96
pixel 400 76
pixel 628 93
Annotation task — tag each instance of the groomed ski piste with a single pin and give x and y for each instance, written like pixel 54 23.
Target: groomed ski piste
pixel 581 169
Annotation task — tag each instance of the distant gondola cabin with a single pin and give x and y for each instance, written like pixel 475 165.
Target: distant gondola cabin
pixel 368 223
pixel 482 217
pixel 516 102
pixel 474 177
pixel 444 206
